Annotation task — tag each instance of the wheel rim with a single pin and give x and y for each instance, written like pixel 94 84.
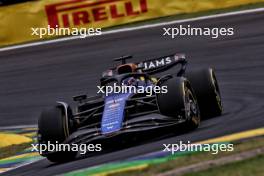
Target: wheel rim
pixel 216 90
pixel 191 107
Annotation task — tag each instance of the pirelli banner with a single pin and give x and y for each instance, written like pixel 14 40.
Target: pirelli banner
pixel 17 21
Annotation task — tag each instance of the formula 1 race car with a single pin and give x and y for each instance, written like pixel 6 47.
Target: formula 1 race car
pixel 189 97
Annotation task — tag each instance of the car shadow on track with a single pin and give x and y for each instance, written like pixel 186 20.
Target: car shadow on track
pixel 130 142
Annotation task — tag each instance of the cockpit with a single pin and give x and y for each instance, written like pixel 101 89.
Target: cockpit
pixel 126 68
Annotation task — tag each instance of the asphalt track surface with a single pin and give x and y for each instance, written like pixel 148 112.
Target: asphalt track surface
pixel 33 78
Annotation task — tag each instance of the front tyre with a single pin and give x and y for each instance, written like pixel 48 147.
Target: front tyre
pixel 54 127
pixel 179 102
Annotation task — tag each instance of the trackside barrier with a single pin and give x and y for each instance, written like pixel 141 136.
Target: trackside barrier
pixel 17 21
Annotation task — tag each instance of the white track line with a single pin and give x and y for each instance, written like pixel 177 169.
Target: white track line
pixel 242 12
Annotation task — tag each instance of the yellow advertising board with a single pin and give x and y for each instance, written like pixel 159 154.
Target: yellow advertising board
pixel 17 21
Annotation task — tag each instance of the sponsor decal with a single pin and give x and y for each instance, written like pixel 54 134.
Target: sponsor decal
pixel 160 62
pixel 76 13
pixel 113 114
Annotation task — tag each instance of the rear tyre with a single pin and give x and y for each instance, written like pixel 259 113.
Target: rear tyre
pixel 179 102
pixel 207 91
pixel 54 128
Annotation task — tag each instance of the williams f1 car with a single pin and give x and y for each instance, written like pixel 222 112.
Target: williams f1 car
pixel 190 97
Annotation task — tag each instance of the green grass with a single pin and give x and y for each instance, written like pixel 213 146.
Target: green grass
pixel 249 167
pixel 13 150
pixel 194 158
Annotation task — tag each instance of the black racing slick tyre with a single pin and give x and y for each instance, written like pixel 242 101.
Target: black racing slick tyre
pixel 53 128
pixel 207 91
pixel 179 102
